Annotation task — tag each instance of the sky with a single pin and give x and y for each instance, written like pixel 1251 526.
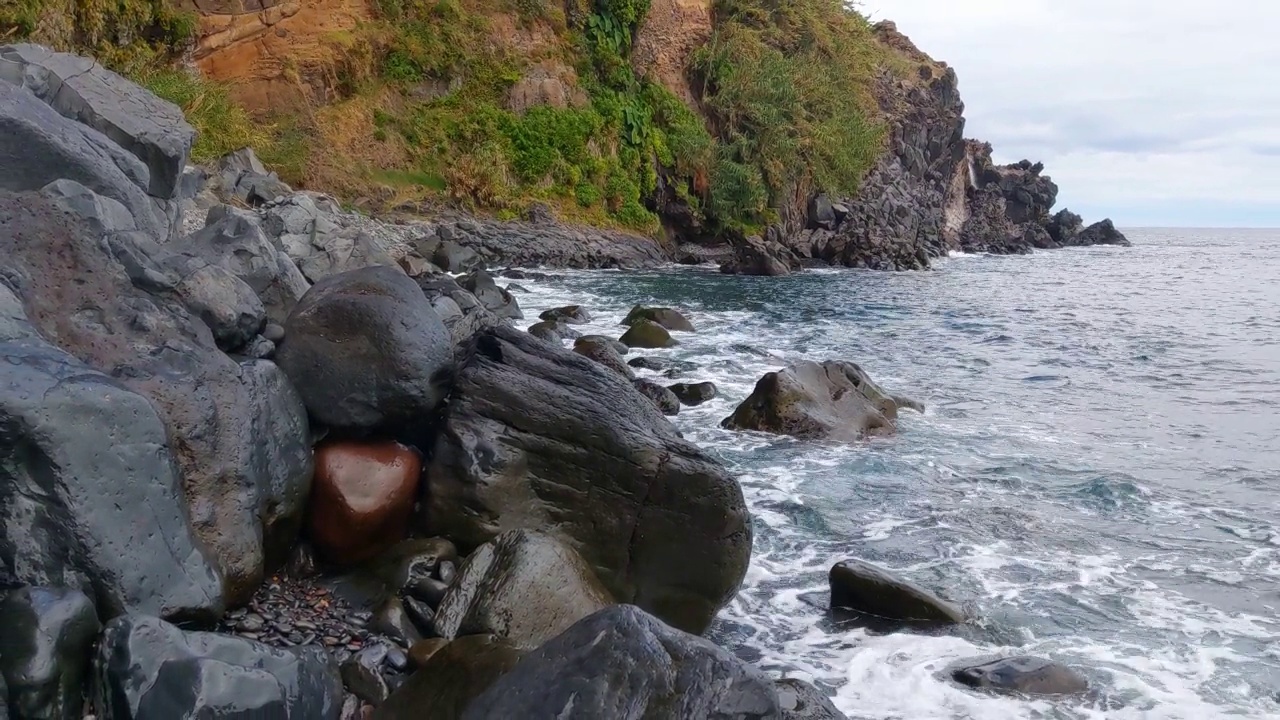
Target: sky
pixel 1151 112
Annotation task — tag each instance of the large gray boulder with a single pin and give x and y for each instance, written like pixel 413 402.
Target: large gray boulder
pixel 79 88
pixel 830 400
pixel 237 433
pixel 623 663
pixel 233 240
pixel 865 588
pixel 307 228
pixel 540 438
pixel 524 586
pixel 148 669
pixel 47 637
pixel 230 308
pixel 366 350
pixel 85 454
pixel 38 146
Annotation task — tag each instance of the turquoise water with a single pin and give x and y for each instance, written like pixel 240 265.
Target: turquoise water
pixel 1097 473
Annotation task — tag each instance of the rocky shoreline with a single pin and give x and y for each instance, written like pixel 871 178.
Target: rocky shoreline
pixel 265 457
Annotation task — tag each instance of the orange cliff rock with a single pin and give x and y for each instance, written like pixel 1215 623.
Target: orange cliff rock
pixel 275 54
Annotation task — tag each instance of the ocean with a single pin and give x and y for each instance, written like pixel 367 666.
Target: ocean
pixel 1097 473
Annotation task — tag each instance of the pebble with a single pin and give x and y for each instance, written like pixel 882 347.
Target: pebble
pixel 447 572
pixel 397 660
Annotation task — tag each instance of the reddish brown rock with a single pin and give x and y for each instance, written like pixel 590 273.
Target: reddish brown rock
pixel 362 498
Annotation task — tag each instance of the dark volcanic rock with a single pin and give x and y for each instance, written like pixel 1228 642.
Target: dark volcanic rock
pixel 461 312
pixel 865 588
pixel 694 394
pixel 362 498
pixel 647 334
pixel 524 586
pixel 760 256
pixel 552 332
pixel 366 349
pixel 450 679
pixel 47 637
pixel 540 438
pixel 148 668
pixel 237 431
pixel 550 244
pixel 1027 675
pixel 834 399
pixel 666 317
pixel 392 620
pixel 81 455
pixel 569 314
pixel 603 352
pixel 1064 227
pixel 1102 233
pixel 495 299
pixel 663 398
pixel 454 258
pixel 623 663
pixel 801 701
pixel 225 303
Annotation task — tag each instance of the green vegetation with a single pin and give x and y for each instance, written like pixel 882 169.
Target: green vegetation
pixel 121 33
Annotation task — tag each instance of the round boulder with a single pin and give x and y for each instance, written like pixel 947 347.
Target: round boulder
pixel 570 314
pixel 366 349
pixel 664 399
pixel 602 351
pixel 865 588
pixel 647 334
pixel 694 394
pixel 362 498
pixel 1026 675
pixel 666 317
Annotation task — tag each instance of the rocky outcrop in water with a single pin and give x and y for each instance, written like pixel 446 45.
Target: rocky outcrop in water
pixel 865 588
pixel 1022 675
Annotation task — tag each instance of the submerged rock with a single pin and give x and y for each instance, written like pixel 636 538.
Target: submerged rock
pixel 647 334
pixel 524 586
pixel 694 394
pixel 46 638
pixel 450 679
pixel 366 350
pixel 664 399
pixel 536 437
pixel 834 400
pixel 362 498
pixel 623 663
pixel 1027 675
pixel 666 317
pixel 865 588
pixel 147 668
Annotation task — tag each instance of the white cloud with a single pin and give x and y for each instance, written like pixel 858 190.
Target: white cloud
pixel 1136 107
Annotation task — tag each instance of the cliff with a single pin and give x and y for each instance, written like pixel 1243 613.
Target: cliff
pixel 762 133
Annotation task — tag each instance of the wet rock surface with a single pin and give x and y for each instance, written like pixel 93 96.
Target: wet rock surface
pixel 800 700
pixel 663 398
pixel 450 679
pixel 645 333
pixel 569 314
pixel 46 638
pixel 1025 675
pixel 603 352
pixel 832 400
pixel 694 394
pixel 530 428
pixel 622 662
pixel 362 498
pixel 865 588
pixel 666 317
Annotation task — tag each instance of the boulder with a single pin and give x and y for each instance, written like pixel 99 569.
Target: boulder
pixel 645 362
pixel 450 679
pixel 822 214
pixel 1064 227
pixel 392 620
pixel 603 352
pixel 524 586
pixel 694 394
pixel 454 258
pixel 242 176
pixel 226 304
pixel 831 400
pixel 366 350
pixel 461 312
pixel 84 453
pixel 47 637
pixel 870 590
pixel 618 346
pixel 623 663
pixel 147 668
pixel 362 498
pixel 756 256
pixel 665 400
pixel 666 317
pixel 233 239
pixel 79 88
pixel 800 700
pixel 309 229
pixel 495 299
pixel 1024 675
pixel 40 147
pixel 1102 233
pixel 362 676
pixel 549 331
pixel 647 334
pixel 536 437
pixel 569 315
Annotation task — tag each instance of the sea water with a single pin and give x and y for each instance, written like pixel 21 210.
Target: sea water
pixel 1097 473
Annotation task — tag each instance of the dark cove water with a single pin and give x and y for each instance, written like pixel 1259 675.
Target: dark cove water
pixel 1098 471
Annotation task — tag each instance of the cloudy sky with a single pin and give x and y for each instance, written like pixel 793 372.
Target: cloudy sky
pixel 1152 112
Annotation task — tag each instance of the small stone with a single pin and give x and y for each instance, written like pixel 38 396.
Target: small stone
pixel 329 641
pixel 364 682
pixel 397 660
pixel 253 622
pixel 273 332
pixel 422 615
pixel 447 572
pixel 372 656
